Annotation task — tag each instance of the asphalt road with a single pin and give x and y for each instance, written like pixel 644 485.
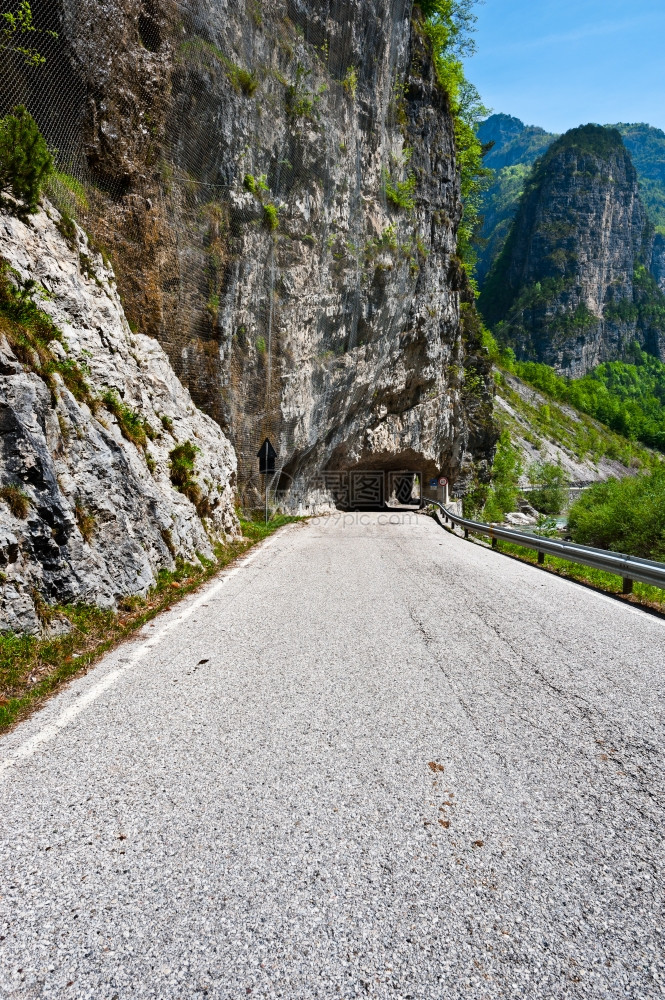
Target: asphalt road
pixel 374 760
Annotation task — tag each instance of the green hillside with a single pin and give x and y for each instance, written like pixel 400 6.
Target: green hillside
pixel 628 397
pixel 647 149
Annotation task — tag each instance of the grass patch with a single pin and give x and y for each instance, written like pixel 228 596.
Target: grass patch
pixel 17 500
pixel 400 194
pixel 132 426
pixel 62 186
pixel 86 521
pixel 30 330
pixel 32 669
pixel 243 80
pixel 181 464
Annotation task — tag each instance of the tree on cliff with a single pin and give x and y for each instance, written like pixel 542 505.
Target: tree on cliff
pixel 18 28
pixel 25 160
pixel 450 25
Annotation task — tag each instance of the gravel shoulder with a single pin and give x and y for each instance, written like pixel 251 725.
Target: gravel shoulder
pixel 370 760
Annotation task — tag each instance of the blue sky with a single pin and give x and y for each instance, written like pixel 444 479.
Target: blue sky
pixel 562 63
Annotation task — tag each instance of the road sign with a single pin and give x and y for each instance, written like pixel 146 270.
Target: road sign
pixel 266 456
pixel 443 481
pixel 433 483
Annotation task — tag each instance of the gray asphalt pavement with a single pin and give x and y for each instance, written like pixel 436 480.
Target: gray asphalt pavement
pixel 373 761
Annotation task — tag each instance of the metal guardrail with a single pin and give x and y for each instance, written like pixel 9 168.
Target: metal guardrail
pixel 630 568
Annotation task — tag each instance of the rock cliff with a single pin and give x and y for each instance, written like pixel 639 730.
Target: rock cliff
pixel 276 185
pixel 572 286
pixel 90 414
pixel 512 147
pixel 658 261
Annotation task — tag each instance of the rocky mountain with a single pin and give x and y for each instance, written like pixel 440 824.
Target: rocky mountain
pixel 90 417
pixel 514 147
pixel 276 186
pixel 572 285
pixel 510 142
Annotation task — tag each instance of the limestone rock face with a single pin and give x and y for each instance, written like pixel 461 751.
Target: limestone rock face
pixel 103 516
pixel 276 184
pixel 658 261
pixel 572 287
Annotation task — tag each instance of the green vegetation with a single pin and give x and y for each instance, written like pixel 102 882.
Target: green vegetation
pixel 16 29
pixel 63 186
pixel 243 80
pixel 256 531
pixel 385 243
pixel 537 421
pixel 30 330
pixel 86 520
pixel 509 142
pixel 271 216
pixel 647 149
pixel 300 102
pixel 350 82
pixel 592 140
pixel 627 396
pixel 517 146
pixel 518 307
pixel 25 161
pixel 551 496
pixel 502 495
pixel 182 460
pixel 449 26
pixel 625 515
pixel 17 500
pixel 643 594
pixel 32 669
pixel 498 207
pixel 66 226
pixel 256 185
pixel 400 194
pixel 577 433
pixel 132 426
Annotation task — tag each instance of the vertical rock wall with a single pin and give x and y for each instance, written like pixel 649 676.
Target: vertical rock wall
pixel 276 184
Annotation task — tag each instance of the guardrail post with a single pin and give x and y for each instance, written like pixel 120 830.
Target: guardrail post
pixel 627 585
pixel 495 542
pixel 541 558
pixel 466 532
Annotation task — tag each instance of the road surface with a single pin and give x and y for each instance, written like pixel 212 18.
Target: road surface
pixel 374 760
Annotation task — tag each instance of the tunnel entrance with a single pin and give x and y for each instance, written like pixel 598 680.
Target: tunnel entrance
pixel 380 489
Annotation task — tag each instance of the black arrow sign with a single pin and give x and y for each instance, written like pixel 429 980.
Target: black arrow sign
pixel 266 456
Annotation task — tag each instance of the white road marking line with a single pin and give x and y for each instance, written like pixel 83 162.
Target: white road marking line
pixel 69 714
